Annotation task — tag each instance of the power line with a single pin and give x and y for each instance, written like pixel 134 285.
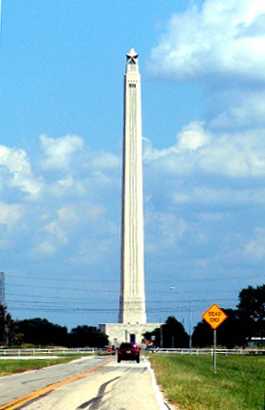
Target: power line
pixel 59 279
pixel 103 310
pixel 59 287
pixel 100 288
pixel 157 302
pixel 168 280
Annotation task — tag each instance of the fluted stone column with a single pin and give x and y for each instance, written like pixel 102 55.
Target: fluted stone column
pixel 132 296
pixel 132 314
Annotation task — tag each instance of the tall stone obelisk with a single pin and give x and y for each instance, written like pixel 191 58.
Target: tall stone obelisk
pixel 132 296
pixel 132 314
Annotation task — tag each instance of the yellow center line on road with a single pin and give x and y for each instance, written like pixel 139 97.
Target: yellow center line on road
pixel 23 400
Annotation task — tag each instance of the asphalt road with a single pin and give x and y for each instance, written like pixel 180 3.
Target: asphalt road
pixel 14 386
pixel 114 386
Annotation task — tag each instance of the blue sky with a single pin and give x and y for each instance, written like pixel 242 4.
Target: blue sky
pixel 61 90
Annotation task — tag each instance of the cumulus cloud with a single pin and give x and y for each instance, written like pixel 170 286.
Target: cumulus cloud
pixel 222 196
pixel 58 152
pixel 15 171
pixel 10 214
pixel 164 229
pixel 223 37
pixel 192 137
pixel 68 206
pixel 104 161
pixel 59 229
pixel 198 150
pixel 79 210
pixel 242 109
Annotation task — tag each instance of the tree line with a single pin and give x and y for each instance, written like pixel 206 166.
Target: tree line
pixel 243 323
pixel 40 332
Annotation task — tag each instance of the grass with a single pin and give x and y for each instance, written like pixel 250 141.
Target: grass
pixel 9 366
pixel 189 381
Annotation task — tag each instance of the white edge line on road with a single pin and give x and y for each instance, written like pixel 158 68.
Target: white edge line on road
pixel 159 395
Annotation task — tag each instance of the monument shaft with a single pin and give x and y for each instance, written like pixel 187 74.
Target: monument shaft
pixel 132 314
pixel 132 296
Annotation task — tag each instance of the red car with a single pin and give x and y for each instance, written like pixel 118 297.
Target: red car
pixel 128 351
pixel 110 349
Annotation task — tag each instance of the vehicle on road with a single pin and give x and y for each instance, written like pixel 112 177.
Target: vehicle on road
pixel 128 351
pixel 110 349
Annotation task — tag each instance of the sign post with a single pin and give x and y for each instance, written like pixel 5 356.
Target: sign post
pixel 214 316
pixel 214 350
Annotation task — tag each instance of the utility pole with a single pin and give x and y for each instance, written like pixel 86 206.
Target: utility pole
pixel 2 288
pixel 161 337
pixel 6 329
pixel 190 338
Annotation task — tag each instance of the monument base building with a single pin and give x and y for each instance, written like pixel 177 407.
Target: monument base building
pixel 131 333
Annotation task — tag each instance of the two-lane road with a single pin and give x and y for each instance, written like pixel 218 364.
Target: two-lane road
pixel 22 384
pixel 113 386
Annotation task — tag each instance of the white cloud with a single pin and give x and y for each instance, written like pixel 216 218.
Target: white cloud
pixel 242 109
pixel 15 160
pixel 18 173
pixel 68 206
pixel 58 152
pixel 60 227
pixel 69 219
pixel 102 251
pixel 208 196
pixel 104 161
pixel 10 214
pixel 192 137
pixel 79 210
pixel 164 230
pixel 45 248
pixel 225 37
pixel 197 150
pixel 178 158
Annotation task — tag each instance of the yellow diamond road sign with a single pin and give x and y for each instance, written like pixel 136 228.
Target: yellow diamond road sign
pixel 214 316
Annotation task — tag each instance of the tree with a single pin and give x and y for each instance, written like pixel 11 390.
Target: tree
pixel 83 336
pixel 6 326
pixel 230 333
pixel 202 335
pixel 251 309
pixel 170 334
pixel 41 332
pixel 174 334
pixel 154 337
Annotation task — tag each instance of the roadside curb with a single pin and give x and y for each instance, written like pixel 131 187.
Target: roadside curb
pixel 163 403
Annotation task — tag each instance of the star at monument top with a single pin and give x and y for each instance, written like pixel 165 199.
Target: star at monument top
pixel 132 55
